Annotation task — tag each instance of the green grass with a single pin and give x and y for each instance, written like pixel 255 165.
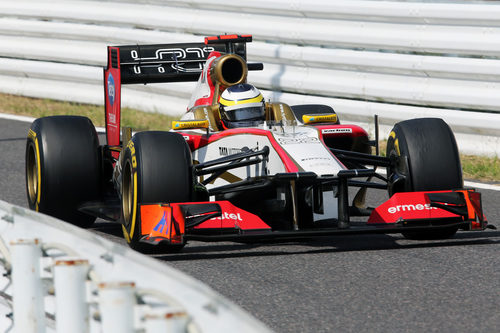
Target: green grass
pixel 481 168
pixel 474 167
pixel 35 107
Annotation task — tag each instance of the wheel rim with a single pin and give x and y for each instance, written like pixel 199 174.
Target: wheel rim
pixel 32 174
pixel 127 193
pixel 399 175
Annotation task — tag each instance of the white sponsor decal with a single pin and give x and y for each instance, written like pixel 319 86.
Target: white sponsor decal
pixel 112 118
pixel 410 207
pixel 289 141
pixel 228 216
pixel 336 130
pixel 225 151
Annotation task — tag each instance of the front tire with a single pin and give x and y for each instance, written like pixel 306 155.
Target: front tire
pixel 427 160
pixel 156 167
pixel 62 167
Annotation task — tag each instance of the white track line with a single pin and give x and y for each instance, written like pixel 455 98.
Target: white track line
pixel 102 130
pixel 31 119
pixel 15 117
pixel 482 186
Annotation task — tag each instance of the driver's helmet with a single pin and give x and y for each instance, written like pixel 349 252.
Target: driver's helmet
pixel 241 105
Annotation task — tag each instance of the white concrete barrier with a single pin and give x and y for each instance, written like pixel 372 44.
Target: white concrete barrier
pixel 57 277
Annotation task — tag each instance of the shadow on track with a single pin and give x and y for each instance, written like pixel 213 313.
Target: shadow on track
pixel 108 228
pixel 315 245
pixel 12 139
pixel 319 245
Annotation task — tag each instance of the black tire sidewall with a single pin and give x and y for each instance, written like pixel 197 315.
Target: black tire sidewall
pixel 69 166
pixel 432 163
pixel 431 152
pixel 163 167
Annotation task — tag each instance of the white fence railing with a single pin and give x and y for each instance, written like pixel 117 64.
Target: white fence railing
pixel 396 59
pixel 58 278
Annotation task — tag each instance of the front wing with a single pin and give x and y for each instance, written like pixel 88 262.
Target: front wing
pixel 177 223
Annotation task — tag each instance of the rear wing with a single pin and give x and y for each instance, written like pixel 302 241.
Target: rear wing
pixel 179 62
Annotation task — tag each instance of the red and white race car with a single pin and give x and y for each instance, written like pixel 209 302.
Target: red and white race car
pixel 283 174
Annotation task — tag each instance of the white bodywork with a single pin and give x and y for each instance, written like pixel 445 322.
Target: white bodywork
pixel 302 144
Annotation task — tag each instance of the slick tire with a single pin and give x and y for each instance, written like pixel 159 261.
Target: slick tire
pixel 430 162
pixel 156 167
pixel 62 167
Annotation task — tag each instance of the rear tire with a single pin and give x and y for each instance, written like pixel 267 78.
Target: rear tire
pixel 160 165
pixel 429 162
pixel 62 167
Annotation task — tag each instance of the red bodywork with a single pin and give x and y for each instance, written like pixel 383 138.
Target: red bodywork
pixel 406 207
pixel 166 222
pixel 112 98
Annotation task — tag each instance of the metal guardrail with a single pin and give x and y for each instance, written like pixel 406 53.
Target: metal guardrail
pixel 58 278
pixel 396 59
pixel 460 13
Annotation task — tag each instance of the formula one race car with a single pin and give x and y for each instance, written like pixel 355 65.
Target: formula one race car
pixel 238 168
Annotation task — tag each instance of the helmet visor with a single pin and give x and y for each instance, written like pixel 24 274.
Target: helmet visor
pixel 246 113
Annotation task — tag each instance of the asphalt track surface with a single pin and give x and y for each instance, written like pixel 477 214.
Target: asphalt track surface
pixel 369 283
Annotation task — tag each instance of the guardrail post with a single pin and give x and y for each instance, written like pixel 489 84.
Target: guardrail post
pixel 27 289
pixel 72 313
pixel 116 305
pixel 168 321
